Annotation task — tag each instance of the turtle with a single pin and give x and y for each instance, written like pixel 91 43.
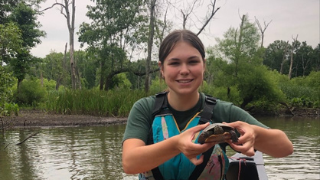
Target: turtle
pixel 218 133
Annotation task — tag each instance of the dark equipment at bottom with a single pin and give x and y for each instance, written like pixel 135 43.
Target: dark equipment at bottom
pixel 243 167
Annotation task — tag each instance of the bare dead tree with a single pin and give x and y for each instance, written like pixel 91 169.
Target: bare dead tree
pixel 157 28
pixel 284 57
pixel 262 30
pixel 185 15
pixel 150 43
pixel 70 17
pixel 291 57
pixel 213 12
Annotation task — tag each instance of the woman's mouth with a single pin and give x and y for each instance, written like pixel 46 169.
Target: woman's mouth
pixel 184 81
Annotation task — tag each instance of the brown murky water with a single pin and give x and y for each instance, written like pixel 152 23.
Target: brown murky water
pixel 94 153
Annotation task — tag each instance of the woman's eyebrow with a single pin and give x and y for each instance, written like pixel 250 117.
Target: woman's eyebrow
pixel 191 57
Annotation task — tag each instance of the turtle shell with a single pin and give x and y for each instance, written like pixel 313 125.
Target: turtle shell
pixel 218 133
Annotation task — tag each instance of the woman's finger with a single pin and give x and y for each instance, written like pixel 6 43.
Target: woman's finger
pixel 196 161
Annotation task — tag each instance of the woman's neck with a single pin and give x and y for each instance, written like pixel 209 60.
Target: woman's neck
pixel 183 102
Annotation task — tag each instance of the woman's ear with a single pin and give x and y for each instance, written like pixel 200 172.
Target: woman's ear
pixel 161 68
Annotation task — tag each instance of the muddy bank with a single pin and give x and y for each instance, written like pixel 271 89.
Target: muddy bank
pixel 35 118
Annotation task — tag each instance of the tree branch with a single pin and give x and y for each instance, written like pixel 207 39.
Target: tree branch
pixel 33 134
pixel 59 4
pixel 213 12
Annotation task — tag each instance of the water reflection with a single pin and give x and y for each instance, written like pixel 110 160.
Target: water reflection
pixel 95 153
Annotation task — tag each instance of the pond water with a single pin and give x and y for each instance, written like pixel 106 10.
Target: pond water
pixel 94 153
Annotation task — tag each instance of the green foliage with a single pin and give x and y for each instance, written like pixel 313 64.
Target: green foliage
pixel 120 81
pixel 49 85
pixel 6 82
pixel 235 68
pixel 113 36
pixel 303 91
pixel 279 55
pixel 24 18
pixel 10 109
pixel 313 79
pixel 93 102
pixel 10 41
pixel 157 85
pixel 257 84
pixel 30 93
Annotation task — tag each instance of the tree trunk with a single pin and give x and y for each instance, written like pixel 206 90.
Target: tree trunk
pixel 70 24
pixel 41 78
pixel 150 43
pixel 63 67
pixel 291 62
pixel 238 44
pixel 284 57
pixel 101 74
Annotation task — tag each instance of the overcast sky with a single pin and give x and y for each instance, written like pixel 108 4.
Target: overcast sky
pixel 289 18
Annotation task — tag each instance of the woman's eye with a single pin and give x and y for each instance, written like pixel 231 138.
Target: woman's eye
pixel 194 62
pixel 174 63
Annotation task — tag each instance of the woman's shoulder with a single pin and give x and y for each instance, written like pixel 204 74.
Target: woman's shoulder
pixel 218 102
pixel 146 103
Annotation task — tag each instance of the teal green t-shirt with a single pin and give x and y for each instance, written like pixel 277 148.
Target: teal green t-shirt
pixel 140 117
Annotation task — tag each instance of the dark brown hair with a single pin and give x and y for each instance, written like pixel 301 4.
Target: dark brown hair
pixel 177 36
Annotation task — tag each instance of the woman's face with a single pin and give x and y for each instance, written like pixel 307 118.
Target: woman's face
pixel 183 69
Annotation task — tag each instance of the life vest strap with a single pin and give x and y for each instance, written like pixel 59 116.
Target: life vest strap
pixel 161 107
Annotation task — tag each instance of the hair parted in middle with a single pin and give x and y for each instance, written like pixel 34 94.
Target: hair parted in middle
pixel 177 36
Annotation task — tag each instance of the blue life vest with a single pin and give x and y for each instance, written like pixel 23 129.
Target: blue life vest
pixel 164 126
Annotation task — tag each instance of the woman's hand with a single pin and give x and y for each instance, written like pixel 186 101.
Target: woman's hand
pixel 246 141
pixel 273 142
pixel 189 148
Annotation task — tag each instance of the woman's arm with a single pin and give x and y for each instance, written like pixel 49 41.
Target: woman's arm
pixel 273 142
pixel 138 157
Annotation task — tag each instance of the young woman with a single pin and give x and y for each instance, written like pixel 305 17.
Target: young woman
pixel 173 151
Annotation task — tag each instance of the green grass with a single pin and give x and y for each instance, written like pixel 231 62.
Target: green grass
pixel 92 102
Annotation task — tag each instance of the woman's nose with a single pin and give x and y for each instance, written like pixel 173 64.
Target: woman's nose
pixel 184 69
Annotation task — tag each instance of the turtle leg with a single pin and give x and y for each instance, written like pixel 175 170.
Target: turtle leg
pixel 234 136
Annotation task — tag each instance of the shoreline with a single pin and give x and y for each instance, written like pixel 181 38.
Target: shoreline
pixel 38 118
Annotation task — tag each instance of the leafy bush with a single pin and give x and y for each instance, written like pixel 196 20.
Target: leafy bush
pixel 6 82
pixel 10 109
pixel 157 85
pixel 30 93
pixel 303 91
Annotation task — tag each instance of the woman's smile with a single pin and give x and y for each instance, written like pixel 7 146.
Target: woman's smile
pixel 183 69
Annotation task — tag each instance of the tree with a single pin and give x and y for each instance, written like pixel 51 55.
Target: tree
pixel 262 29
pixel 6 82
pixel 113 34
pixel 150 42
pixel 10 41
pixel 70 18
pixel 295 59
pixel 276 54
pixel 304 57
pixel 25 18
pixel 242 67
pixel 54 69
pixel 239 46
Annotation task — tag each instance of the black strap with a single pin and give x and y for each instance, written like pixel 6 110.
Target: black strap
pixel 161 107
pixel 161 104
pixel 205 116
